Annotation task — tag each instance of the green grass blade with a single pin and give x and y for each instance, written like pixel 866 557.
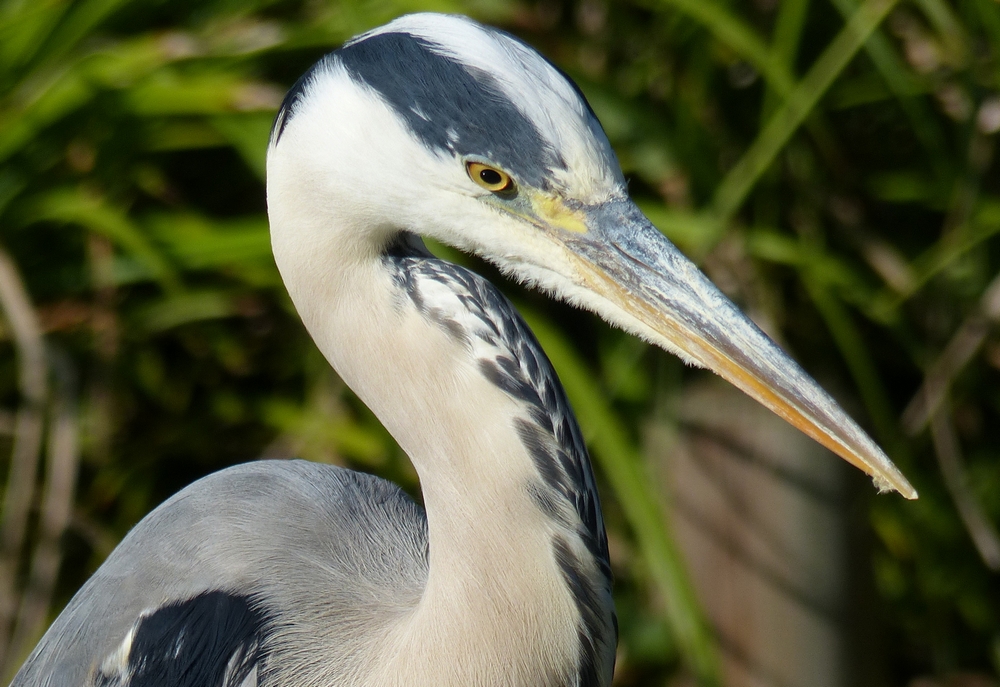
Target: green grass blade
pixel 946 23
pixel 744 175
pixel 861 366
pixel 78 23
pixel 249 134
pixel 22 120
pixel 73 206
pixel 905 87
pixel 24 27
pixel 989 17
pixel 183 308
pixel 788 31
pixel 982 226
pixel 785 45
pixel 740 37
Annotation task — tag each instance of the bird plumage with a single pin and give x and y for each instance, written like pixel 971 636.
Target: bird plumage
pixel 271 536
pixel 473 311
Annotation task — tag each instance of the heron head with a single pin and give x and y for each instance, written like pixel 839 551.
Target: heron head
pixel 439 126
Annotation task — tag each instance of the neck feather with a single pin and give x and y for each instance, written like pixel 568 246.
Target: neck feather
pixel 518 581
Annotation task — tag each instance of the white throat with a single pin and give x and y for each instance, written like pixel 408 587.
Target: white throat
pixel 494 583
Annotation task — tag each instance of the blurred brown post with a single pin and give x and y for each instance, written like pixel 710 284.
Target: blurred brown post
pixel 758 511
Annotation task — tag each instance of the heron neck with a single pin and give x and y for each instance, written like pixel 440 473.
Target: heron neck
pixel 494 577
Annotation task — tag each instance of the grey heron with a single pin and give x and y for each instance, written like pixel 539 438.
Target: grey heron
pixel 306 575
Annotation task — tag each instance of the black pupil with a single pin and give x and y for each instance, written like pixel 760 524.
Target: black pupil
pixel 490 177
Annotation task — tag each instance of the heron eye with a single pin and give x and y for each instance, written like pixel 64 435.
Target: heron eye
pixel 490 178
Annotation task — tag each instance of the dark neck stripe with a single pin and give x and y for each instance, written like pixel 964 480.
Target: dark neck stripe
pixel 566 491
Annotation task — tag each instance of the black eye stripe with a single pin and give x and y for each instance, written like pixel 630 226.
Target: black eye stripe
pixel 449 105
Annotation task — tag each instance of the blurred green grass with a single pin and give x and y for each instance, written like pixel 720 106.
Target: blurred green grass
pixel 839 154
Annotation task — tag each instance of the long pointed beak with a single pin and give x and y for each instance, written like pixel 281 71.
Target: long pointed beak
pixel 660 294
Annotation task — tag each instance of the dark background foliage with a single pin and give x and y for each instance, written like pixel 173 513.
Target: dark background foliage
pixel 828 162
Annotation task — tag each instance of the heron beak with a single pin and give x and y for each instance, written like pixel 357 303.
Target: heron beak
pixel 640 276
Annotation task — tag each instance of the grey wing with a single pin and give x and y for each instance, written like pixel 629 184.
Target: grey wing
pixel 212 587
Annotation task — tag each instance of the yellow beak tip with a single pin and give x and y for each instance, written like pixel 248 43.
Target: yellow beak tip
pixel 904 488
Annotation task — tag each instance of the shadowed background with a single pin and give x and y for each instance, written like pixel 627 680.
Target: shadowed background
pixel 828 163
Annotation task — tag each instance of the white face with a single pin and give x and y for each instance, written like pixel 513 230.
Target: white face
pixel 368 141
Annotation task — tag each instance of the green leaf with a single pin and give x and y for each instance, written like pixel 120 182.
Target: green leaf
pixel 737 34
pixel 742 177
pixel 203 93
pixel 249 134
pixel 184 308
pixel 75 206
pixel 197 242
pixel 26 112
